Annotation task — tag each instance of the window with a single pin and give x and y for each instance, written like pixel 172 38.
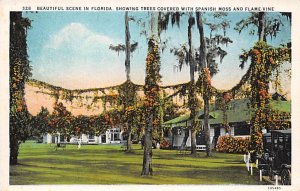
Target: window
pixel 241 130
pixel 91 137
pixel 116 137
pixel 103 138
pixel 179 131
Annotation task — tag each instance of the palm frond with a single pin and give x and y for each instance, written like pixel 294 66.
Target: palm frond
pixel 117 48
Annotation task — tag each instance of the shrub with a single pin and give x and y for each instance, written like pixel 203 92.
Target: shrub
pixel 165 144
pixel 231 144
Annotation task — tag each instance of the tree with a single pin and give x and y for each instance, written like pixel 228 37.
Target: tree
pixel 263 24
pixel 151 90
pixel 207 65
pixel 127 91
pixel 127 99
pixel 264 61
pixel 20 71
pixel 41 123
pixel 187 55
pixel 61 120
pixel 203 62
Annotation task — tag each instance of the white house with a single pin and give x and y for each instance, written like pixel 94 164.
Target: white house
pixel 111 136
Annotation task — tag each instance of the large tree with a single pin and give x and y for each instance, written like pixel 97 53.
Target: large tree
pixel 127 93
pixel 203 62
pixel 20 71
pixel 264 25
pixel 210 49
pixel 187 56
pixel 151 90
pixel 41 123
pixel 61 120
pixel 264 61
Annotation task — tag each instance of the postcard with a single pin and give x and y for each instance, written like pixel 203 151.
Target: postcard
pixel 149 95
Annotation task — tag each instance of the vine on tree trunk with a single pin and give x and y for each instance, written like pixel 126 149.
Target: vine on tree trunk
pixel 264 60
pixel 20 71
pixel 151 90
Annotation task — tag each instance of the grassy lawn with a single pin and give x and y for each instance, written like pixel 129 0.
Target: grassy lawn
pixel 108 164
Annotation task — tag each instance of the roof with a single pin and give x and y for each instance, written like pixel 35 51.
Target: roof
pixel 238 111
pixel 278 96
pixel 287 131
pixel 281 106
pixel 179 119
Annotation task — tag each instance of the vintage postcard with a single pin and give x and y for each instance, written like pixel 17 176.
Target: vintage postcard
pixel 149 95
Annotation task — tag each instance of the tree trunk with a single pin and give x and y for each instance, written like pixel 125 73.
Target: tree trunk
pixel 206 127
pixel 192 94
pixel 19 73
pixel 151 90
pixel 261 26
pixel 185 138
pixel 129 142
pixel 128 46
pixel 147 160
pixel 14 151
pixel 127 66
pixel 203 63
pixel 193 142
pixel 193 120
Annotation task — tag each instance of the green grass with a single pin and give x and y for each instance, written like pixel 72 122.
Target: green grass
pixel 108 164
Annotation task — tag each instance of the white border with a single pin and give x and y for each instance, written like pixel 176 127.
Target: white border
pixel 279 5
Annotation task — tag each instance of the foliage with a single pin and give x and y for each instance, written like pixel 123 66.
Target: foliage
pixel 204 84
pixel 222 102
pixel 264 60
pixel 121 47
pixel 92 125
pixel 166 17
pixel 151 88
pixel 127 98
pixel 20 71
pixel 231 144
pixel 165 144
pixel 61 120
pixel 214 43
pixel 152 74
pixel 170 110
pixel 41 123
pixel 152 102
pixel 278 120
pixel 271 29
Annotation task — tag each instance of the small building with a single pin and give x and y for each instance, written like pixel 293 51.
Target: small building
pixel 238 114
pixel 111 136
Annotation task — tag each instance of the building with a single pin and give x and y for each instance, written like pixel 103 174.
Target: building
pixel 111 136
pixel 238 117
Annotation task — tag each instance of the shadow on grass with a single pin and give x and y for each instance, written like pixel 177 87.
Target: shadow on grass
pixel 112 165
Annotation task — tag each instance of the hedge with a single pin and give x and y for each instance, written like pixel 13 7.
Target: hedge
pixel 231 144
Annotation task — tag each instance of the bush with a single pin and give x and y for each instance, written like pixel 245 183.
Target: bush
pixel 165 144
pixel 231 144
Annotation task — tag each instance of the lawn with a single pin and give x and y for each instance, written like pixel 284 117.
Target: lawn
pixel 108 164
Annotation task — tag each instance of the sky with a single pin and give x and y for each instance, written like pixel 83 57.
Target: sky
pixel 71 49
